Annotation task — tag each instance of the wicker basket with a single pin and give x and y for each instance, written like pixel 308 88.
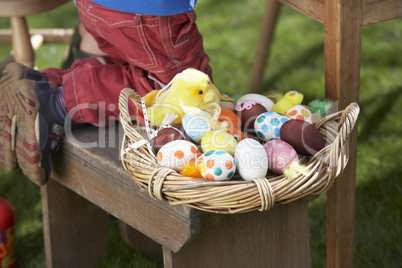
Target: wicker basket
pixel 237 196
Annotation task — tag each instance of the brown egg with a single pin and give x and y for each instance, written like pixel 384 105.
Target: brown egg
pixel 248 111
pixel 304 137
pixel 166 135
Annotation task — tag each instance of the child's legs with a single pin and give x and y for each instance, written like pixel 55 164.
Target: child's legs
pixel 92 87
pixel 161 45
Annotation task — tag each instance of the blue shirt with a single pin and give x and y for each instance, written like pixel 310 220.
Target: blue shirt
pixel 149 7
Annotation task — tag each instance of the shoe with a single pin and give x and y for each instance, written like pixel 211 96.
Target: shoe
pixel 38 133
pixel 10 72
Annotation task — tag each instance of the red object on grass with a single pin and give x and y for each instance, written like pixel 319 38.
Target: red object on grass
pixel 7 237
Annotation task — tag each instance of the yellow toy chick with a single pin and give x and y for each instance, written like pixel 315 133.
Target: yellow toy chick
pixel 290 99
pixel 191 88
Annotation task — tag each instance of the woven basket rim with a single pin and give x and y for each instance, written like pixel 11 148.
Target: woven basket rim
pixel 238 196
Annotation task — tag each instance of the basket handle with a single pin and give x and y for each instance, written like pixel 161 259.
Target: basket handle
pixel 125 95
pixel 348 119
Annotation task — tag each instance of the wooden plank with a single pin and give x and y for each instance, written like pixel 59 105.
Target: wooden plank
pixel 342 79
pixel 268 24
pixel 381 10
pixel 312 8
pixel 75 230
pixel 276 238
pixel 97 175
pixel 49 35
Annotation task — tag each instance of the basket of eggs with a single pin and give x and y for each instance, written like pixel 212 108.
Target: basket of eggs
pixel 190 145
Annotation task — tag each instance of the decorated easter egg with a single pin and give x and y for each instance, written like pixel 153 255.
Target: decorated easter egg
pixel 280 155
pixel 218 140
pixel 267 126
pixel 216 165
pixel 289 100
pixel 266 102
pixel 176 154
pixel 196 125
pixel 234 124
pixel 300 112
pixel 248 111
pixel 304 137
pixel 167 134
pixel 231 117
pixel 251 159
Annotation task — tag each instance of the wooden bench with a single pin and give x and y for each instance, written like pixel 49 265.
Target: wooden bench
pixel 86 183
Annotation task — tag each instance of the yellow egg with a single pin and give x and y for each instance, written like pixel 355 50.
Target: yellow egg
pixel 218 140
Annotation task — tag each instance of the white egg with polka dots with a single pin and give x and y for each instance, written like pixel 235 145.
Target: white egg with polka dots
pixel 176 154
pixel 267 125
pixel 216 165
pixel 300 112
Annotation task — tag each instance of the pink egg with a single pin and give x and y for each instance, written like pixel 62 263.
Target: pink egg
pixel 280 155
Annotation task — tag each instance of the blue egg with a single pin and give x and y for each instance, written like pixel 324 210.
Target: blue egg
pixel 196 125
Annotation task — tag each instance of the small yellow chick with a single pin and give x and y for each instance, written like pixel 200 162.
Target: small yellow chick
pixel 290 99
pixel 191 88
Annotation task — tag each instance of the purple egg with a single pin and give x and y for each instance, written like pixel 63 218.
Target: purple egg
pixel 280 155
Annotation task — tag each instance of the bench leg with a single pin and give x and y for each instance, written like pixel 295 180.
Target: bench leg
pixel 75 230
pixel 23 51
pixel 139 241
pixel 276 238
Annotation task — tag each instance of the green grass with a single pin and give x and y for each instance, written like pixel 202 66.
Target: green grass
pixel 230 30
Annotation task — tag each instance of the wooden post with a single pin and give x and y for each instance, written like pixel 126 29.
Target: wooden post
pixel 23 51
pixel 75 230
pixel 343 24
pixel 269 18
